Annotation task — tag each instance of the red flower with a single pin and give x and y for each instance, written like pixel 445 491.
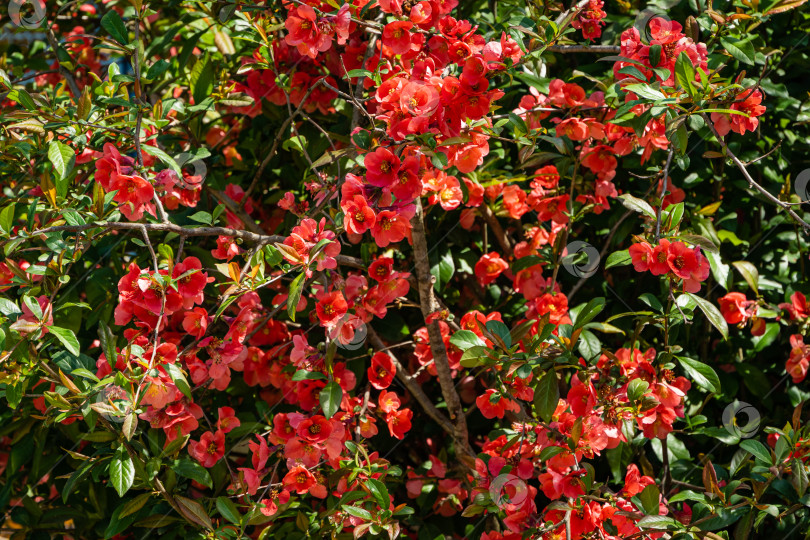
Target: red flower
pixel 358 217
pixel 330 308
pixel 494 405
pixel 658 264
pixel 382 370
pixel 489 267
pixel 799 359
pixel 209 449
pixel 195 322
pixel 381 269
pixel 739 123
pixel 681 260
pixel 399 423
pixel 314 430
pixel 390 228
pixel 736 308
pixel 388 401
pixel 190 281
pixel 797 308
pixel 382 167
pixel 397 37
pixel 300 480
pixel 134 193
pixel 642 255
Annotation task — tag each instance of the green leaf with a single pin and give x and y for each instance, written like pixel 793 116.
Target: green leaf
pixel 636 389
pixel 114 26
pixel 645 91
pixel 122 471
pixel 649 499
pixel 358 512
pixel 202 80
pixel 157 69
pixel 294 296
pixel 711 312
pixel 593 308
pixel 474 356
pixel 330 398
pixel 379 491
pixel 7 218
pixel 164 158
pixel 499 329
pixel 63 160
pixel 637 205
pixel 546 395
pixel 685 73
pixel 228 510
pixel 749 273
pixel 739 49
pixel 443 270
pixel 179 378
pixel 701 374
pixel 193 471
pixel 67 337
pixel 618 258
pixel 464 339
pixel 757 449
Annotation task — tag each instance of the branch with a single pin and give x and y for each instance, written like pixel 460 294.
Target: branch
pixel 598 49
pixel 663 192
pixel 411 385
pixel 71 81
pixel 497 230
pixel 429 305
pixel 740 165
pixel 276 142
pixel 183 232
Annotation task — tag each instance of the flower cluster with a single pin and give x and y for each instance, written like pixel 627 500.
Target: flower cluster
pixel 673 259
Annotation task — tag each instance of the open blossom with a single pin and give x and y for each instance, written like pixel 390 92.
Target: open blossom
pixel 382 370
pixel 747 102
pixel 209 449
pixel 489 267
pixel 736 308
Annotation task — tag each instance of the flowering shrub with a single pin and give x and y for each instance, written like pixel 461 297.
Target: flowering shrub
pixel 397 268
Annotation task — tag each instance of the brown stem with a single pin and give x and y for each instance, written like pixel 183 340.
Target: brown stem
pixel 497 230
pixel 184 232
pixel 71 81
pixel 751 182
pixel 429 305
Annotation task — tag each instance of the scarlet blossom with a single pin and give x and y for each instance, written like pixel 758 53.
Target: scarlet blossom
pixel 209 449
pixel 358 215
pixel 227 420
pixel 300 480
pixel 494 405
pixel 314 430
pixel 388 401
pixel 133 194
pixel 736 308
pixel 304 32
pixel 382 167
pixel 799 360
pixel 399 423
pixel 381 269
pixel 681 260
pixel 641 254
pixel 397 37
pixel 390 227
pixel 190 281
pixel 330 308
pixel 382 370
pixel 747 102
pixel 226 248
pixel 659 264
pixel 797 308
pixel 489 267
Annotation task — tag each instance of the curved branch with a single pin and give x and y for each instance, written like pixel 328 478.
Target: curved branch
pixel 751 182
